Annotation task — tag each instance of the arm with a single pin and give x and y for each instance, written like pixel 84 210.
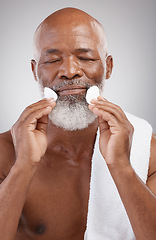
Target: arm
pixel 115 145
pixel 30 142
pixel 13 192
pixel 151 181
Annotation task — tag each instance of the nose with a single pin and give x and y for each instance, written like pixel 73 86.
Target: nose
pixel 70 69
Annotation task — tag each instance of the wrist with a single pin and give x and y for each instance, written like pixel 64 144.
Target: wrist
pixel 122 175
pixel 27 158
pixel 26 168
pixel 120 166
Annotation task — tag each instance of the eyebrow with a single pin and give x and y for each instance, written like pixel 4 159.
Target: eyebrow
pixel 52 50
pixel 84 50
pixel 79 50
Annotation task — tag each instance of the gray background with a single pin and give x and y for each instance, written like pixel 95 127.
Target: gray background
pixel 131 34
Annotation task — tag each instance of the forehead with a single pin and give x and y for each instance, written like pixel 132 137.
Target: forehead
pixel 67 36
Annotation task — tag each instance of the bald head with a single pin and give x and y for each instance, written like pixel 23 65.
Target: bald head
pixel 70 21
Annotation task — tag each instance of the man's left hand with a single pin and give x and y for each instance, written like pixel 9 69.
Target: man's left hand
pixel 115 132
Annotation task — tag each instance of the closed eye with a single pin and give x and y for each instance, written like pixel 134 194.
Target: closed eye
pixel 87 59
pixel 53 61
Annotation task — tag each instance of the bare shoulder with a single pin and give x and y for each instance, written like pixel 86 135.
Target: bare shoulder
pixel 7 154
pixel 151 181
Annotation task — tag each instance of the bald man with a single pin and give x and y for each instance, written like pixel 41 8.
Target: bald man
pixel 45 160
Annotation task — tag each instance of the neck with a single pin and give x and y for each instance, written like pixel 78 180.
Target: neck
pixel 72 141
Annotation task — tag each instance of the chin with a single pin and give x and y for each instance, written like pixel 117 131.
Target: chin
pixel 72 115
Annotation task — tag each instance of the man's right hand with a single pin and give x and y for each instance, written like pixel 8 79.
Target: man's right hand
pixel 29 133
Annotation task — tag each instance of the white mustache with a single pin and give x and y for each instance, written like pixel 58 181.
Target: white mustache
pixel 71 82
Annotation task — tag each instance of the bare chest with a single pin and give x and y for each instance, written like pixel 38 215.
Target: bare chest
pixel 56 206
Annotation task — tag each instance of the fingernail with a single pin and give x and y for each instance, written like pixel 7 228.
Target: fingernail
pixel 102 98
pixel 48 107
pixel 51 99
pixel 91 106
pixel 93 100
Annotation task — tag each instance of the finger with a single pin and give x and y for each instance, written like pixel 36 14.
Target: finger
pixel 103 125
pixel 36 106
pixel 109 107
pixel 118 108
pixel 42 101
pixel 106 116
pixel 42 124
pixel 106 102
pixel 32 120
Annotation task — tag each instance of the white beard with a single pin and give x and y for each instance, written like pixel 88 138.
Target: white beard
pixel 71 117
pixel 71 112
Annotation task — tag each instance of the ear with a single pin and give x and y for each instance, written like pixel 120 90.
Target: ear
pixel 109 66
pixel 33 68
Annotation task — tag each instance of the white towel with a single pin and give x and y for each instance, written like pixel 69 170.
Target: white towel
pixel 107 218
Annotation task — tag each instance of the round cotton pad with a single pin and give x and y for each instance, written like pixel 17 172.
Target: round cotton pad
pixel 49 93
pixel 92 93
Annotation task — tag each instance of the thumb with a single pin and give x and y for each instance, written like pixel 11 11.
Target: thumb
pixel 103 125
pixel 42 124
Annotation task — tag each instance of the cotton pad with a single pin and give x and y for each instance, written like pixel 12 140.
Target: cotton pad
pixel 49 93
pixel 92 93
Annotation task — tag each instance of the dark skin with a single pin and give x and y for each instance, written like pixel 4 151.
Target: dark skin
pixel 44 170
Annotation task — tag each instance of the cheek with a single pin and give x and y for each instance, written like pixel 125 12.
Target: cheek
pixel 46 75
pixel 95 72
